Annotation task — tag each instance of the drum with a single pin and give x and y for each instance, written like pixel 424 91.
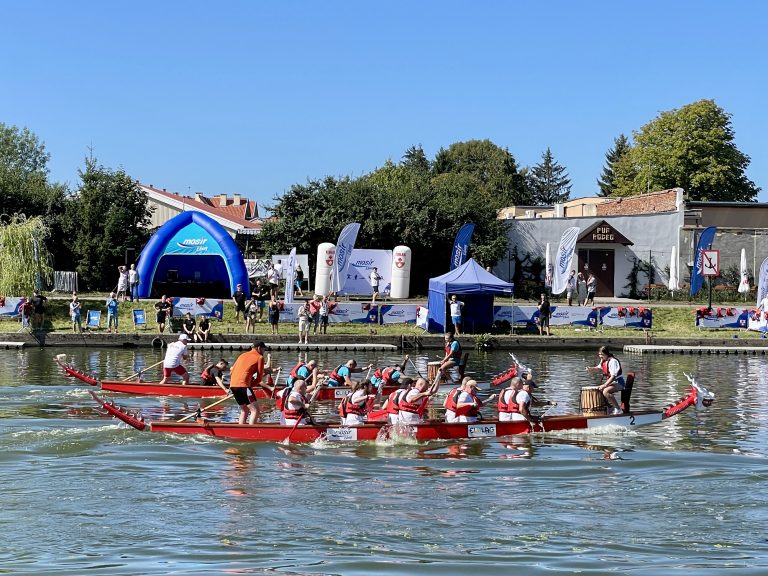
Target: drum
pixel 432 369
pixel 592 401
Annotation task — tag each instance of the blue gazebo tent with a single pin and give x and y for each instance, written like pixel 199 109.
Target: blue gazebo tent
pixel 475 287
pixel 191 255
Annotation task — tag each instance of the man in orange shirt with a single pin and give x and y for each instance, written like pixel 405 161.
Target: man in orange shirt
pixel 248 371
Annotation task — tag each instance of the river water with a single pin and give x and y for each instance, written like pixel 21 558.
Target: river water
pixel 83 494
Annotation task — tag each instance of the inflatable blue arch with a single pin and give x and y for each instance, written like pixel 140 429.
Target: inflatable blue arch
pixel 191 255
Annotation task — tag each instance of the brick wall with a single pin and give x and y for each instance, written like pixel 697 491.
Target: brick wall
pixel 663 201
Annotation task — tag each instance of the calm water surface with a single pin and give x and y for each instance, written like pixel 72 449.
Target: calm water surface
pixel 84 494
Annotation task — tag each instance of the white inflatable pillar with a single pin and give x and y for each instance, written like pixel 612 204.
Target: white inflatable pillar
pixel 326 255
pixel 401 272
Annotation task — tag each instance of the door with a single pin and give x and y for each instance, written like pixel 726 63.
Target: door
pixel 601 264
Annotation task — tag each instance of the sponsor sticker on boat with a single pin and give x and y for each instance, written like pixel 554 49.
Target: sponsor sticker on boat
pixel 340 393
pixel 341 434
pixel 481 430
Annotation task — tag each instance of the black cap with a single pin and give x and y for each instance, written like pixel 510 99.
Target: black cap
pixel 261 345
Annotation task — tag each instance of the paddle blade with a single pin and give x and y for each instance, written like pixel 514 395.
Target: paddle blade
pixel 377 416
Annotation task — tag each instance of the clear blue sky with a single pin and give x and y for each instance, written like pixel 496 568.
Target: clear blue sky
pixel 252 97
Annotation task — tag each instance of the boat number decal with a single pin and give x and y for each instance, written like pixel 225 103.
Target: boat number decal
pixel 481 430
pixel 631 420
pixel 341 434
pixel 339 394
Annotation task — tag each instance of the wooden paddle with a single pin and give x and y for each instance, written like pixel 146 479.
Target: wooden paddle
pixel 132 376
pixel 219 401
pixel 414 367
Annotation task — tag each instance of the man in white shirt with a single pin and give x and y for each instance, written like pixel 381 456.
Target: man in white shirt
pixel 374 279
pixel 456 306
pixel 176 352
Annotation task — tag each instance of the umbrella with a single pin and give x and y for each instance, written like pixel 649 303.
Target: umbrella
pixel 548 269
pixel 744 284
pixel 674 280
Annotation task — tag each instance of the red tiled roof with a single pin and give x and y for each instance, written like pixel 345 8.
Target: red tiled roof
pixel 234 213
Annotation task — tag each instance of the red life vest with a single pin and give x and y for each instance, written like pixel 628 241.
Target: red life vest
pixel 392 405
pixel 291 414
pixel 206 375
pixel 412 407
pixel 455 354
pixel 295 369
pixel 335 375
pixel 280 398
pixel 604 368
pixel 510 406
pixel 346 406
pixel 386 375
pixel 453 400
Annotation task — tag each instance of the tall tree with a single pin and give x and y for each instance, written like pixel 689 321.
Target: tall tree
pixel 113 215
pixel 494 168
pixel 549 181
pixel 415 159
pixel 607 180
pixel 691 148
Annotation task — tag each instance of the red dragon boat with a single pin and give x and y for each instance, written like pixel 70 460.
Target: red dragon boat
pixel 190 390
pixel 697 396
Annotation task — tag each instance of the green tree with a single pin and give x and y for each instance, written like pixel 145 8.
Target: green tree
pixel 494 168
pixel 607 180
pixel 24 258
pixel 549 182
pixel 691 148
pixel 112 214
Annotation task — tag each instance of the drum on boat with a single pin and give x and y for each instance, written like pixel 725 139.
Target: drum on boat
pixel 432 369
pixel 592 401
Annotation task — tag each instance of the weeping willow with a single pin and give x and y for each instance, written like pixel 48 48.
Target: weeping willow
pixel 24 259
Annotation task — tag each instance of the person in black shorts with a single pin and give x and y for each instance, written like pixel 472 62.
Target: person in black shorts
pixel 164 310
pixel 239 299
pixel 262 295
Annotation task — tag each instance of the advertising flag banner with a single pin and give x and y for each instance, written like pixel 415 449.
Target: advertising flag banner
pixel 674 278
pixel 461 245
pixel 704 243
pixel 762 283
pixel 743 273
pixel 563 259
pixel 290 274
pixel 548 268
pixel 344 246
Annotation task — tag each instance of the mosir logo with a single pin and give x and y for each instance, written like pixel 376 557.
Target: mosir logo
pixel 197 244
pixel 361 263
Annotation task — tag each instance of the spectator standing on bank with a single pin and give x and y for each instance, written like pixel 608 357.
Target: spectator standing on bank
pixel 305 319
pixel 133 283
pixel 299 278
pixel 238 297
pixel 374 278
pixel 251 313
pixel 456 308
pixel 571 287
pixel 326 307
pixel 273 277
pixel 122 283
pixel 591 289
pixel 38 307
pixel 581 283
pixel 262 295
pixel 112 313
pixel 75 308
pixel 273 313
pixel 164 310
pixel 545 312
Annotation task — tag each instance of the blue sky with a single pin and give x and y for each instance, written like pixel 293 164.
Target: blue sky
pixel 252 97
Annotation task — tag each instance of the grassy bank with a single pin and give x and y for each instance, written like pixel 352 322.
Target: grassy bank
pixel 668 322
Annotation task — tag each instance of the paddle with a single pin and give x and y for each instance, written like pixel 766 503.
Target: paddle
pixel 298 420
pixel 143 370
pixel 414 367
pixel 196 412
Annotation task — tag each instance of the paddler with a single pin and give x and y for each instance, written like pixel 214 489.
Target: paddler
pixel 281 395
pixel 355 407
pixel 213 374
pixel 414 402
pixel 389 375
pixel 392 403
pixel 515 401
pixel 295 406
pixel 610 367
pixel 303 371
pixel 342 374
pixel 248 371
pixel 176 352
pixel 462 403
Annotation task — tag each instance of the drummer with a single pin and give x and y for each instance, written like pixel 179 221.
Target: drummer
pixel 452 358
pixel 610 367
